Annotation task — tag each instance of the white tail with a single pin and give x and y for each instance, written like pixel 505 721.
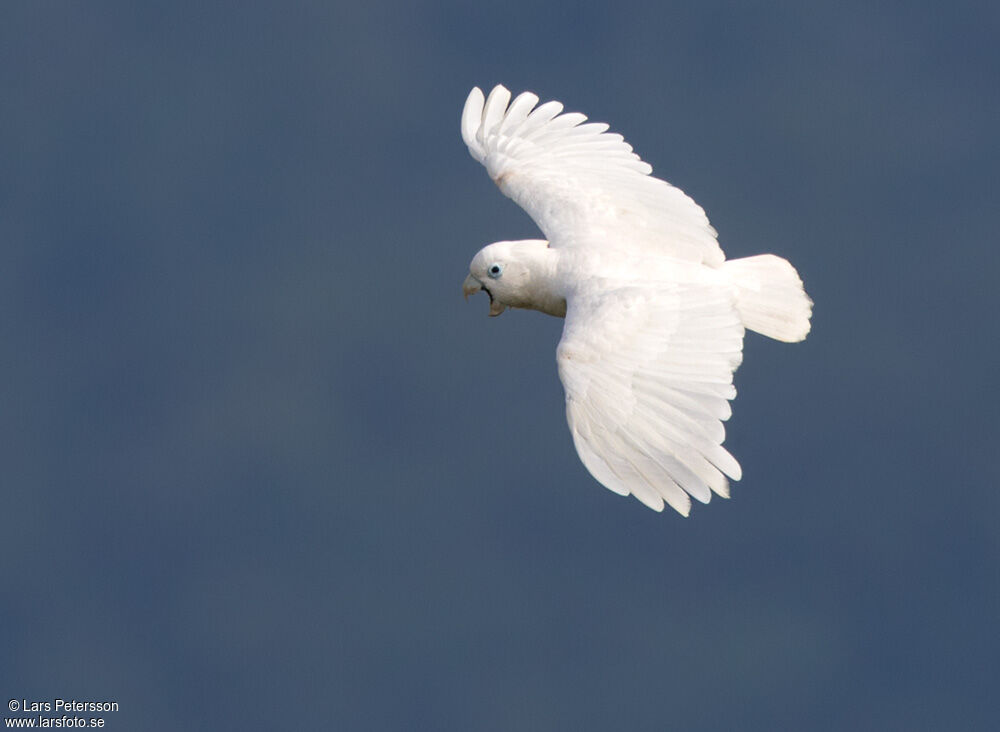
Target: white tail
pixel 770 297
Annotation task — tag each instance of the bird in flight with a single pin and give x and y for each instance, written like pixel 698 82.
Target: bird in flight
pixel 654 314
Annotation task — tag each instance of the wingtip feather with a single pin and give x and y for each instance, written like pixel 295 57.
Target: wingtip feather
pixel 493 111
pixel 472 116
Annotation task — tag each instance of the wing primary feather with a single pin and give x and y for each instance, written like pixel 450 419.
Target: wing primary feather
pixel 678 471
pixel 472 118
pixel 493 111
pixel 556 126
pixel 627 475
pixel 597 465
pixel 518 111
pixel 540 116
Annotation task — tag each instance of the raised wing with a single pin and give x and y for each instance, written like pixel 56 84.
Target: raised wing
pixel 648 375
pixel 582 185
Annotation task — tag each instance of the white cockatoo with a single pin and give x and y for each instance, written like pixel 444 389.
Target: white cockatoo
pixel 654 313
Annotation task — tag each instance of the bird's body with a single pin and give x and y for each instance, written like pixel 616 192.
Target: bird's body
pixel 655 315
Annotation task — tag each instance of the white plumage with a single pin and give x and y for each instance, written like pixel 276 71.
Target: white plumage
pixel 655 316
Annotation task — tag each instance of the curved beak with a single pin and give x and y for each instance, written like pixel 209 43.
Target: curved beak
pixel 471 286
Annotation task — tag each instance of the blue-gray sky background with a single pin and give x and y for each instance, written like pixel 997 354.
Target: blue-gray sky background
pixel 262 468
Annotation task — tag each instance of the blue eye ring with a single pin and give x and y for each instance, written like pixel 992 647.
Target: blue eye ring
pixel 494 271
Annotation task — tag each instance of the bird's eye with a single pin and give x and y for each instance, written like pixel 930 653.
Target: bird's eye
pixel 495 270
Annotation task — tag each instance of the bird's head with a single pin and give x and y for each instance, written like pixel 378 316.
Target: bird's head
pixel 502 272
